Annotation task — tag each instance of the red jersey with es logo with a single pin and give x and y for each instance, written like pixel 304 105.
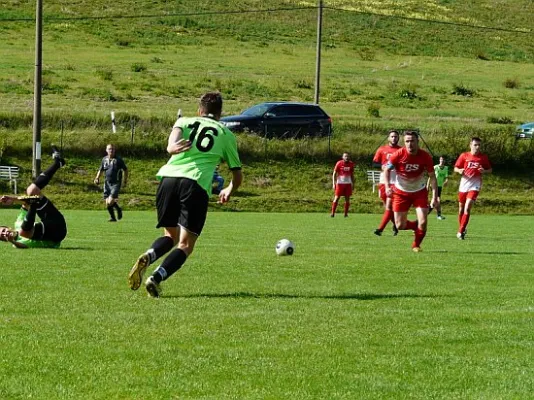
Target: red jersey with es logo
pixel 344 171
pixel 411 169
pixel 382 156
pixel 471 164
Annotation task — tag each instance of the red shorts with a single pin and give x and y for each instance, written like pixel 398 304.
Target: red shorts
pixel 343 189
pixel 382 191
pixel 402 201
pixel 463 196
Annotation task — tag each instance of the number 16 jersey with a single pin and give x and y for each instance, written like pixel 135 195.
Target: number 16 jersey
pixel 211 142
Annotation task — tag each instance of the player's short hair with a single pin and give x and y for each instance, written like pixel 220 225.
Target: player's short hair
pixel 393 131
pixel 475 139
pixel 211 103
pixel 412 133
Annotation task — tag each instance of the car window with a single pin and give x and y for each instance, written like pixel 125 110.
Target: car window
pixel 296 110
pixel 309 110
pixel 282 111
pixel 257 110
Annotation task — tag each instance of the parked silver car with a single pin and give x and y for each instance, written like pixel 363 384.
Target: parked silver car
pixel 525 131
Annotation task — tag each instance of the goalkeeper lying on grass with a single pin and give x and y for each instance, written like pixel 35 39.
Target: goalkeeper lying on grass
pixel 51 229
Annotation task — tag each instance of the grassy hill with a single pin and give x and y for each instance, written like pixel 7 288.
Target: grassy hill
pixel 99 56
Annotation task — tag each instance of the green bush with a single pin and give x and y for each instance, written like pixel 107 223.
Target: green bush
pixel 461 90
pixel 138 67
pixel 373 110
pixel 511 83
pixel 104 73
pixel 500 120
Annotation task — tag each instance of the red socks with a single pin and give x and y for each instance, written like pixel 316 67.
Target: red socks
pixel 412 225
pixel 334 207
pixel 386 217
pixel 346 208
pixel 419 236
pixel 463 223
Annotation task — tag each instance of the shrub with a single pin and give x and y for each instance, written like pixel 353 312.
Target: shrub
pixel 367 54
pixel 138 67
pixel 461 90
pixel 373 110
pixel 511 83
pixel 480 55
pixel 104 73
pixel 408 92
pixel 303 84
pixel 500 120
pixel 123 42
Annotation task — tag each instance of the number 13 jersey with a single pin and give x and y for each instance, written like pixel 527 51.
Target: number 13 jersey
pixel 211 142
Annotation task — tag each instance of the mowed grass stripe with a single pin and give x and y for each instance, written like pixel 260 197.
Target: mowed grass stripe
pixel 350 315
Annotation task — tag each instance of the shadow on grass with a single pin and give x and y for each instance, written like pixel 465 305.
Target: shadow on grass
pixel 502 253
pixel 354 296
pixel 76 248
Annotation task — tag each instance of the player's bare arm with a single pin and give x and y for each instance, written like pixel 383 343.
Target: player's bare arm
pixel 485 171
pixel 237 179
pixel 7 200
pixel 24 200
pixel 176 143
pixel 97 178
pixel 334 178
pixel 387 172
pixel 459 170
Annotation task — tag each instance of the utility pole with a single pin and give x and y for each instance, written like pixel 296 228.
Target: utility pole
pixel 36 166
pixel 318 52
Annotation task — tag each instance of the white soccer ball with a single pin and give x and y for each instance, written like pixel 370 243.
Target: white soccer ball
pixel 285 247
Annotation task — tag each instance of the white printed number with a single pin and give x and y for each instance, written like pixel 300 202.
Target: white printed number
pixel 412 167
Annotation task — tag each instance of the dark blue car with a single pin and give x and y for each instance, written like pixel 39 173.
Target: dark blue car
pixel 282 120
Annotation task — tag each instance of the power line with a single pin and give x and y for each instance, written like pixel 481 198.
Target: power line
pixel 268 10
pixel 433 21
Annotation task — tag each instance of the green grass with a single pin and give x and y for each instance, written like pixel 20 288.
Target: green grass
pixel 348 316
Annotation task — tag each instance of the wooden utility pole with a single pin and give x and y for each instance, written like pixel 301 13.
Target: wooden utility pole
pixel 318 52
pixel 36 166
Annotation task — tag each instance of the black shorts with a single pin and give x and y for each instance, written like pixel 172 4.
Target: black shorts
pixel 439 191
pixel 111 189
pixel 52 226
pixel 181 202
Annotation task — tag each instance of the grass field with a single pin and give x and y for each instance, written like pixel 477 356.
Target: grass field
pixel 349 316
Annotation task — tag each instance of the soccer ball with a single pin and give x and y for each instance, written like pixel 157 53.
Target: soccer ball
pixel 285 247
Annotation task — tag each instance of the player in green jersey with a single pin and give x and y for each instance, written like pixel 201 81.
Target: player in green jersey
pixel 197 145
pixel 442 176
pixel 50 231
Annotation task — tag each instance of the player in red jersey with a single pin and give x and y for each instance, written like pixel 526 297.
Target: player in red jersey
pixel 471 165
pixel 343 182
pixel 410 163
pixel 380 160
